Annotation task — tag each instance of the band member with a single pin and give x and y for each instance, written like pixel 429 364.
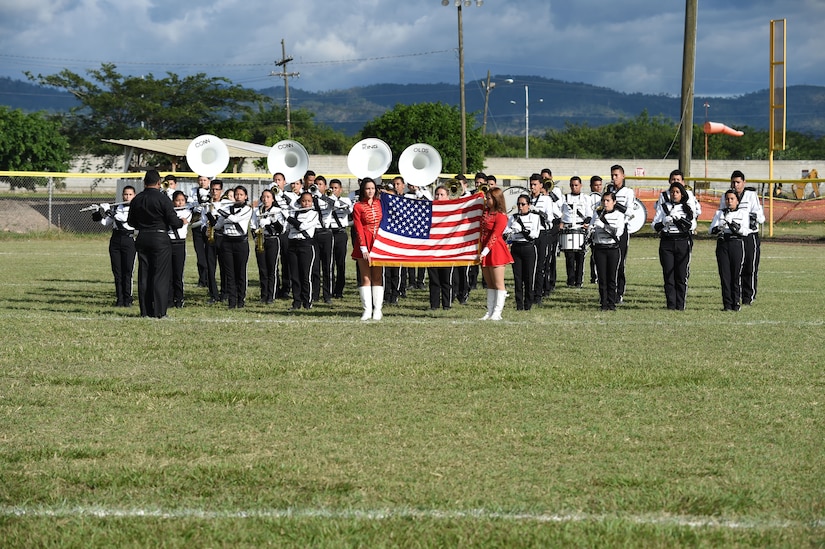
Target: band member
pixel 413 277
pixel 461 274
pixel 152 215
pixel 731 224
pixel 440 279
pixel 366 218
pixel 341 219
pixel 492 181
pixel 324 205
pixel 523 230
pixel 554 192
pixel 749 201
pixel 198 198
pixel 676 176
pixel 267 225
pixel 608 226
pixel 675 222
pixel 595 200
pixel 211 237
pixel 494 255
pixel 625 197
pixel 309 180
pixel 170 185
pixel 284 200
pixel 303 253
pixel 233 223
pixel 178 238
pixel 576 212
pixel 121 245
pixel 544 206
pixel 395 283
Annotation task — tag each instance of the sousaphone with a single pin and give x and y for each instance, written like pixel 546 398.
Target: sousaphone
pixel 289 158
pixel 369 158
pixel 419 164
pixel 207 155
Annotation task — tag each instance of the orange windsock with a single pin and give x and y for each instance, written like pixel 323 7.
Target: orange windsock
pixel 717 127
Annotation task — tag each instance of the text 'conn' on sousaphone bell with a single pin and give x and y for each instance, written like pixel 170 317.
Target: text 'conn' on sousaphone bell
pixel 419 164
pixel 369 157
pixel 207 155
pixel 289 158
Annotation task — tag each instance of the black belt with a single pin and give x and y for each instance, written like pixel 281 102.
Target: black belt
pixel 322 231
pixel 523 242
pixel 341 230
pixel 731 237
pixel 606 246
pixel 666 236
pixel 120 231
pixel 151 230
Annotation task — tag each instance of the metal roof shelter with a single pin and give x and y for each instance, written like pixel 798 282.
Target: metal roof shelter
pixel 176 148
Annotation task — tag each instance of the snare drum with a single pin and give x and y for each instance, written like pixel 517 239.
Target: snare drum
pixel 572 239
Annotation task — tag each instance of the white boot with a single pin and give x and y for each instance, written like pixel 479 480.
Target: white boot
pixel 377 302
pixel 491 304
pixel 501 296
pixel 366 301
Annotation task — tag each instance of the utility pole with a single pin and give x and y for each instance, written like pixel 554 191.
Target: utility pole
pixel 688 73
pixel 282 63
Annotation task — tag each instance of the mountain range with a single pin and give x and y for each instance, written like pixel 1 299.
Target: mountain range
pixel 552 104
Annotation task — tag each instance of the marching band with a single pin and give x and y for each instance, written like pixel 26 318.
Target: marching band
pixel 301 237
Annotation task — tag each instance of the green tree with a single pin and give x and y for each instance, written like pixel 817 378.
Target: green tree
pixel 135 107
pixel 436 124
pixel 31 142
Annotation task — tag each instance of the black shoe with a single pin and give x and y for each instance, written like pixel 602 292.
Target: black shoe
pixel 328 300
pixel 295 307
pixel 307 306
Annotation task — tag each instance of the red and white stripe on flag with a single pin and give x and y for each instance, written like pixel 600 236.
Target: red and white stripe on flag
pixel 420 233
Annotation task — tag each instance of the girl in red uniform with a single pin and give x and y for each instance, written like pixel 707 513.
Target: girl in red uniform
pixel 495 254
pixel 366 217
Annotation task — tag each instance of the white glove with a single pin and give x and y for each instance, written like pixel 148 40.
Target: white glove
pixel 365 253
pixel 485 251
pixel 599 224
pixel 668 220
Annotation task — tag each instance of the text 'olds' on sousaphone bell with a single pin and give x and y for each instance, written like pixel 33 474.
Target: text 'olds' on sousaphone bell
pixel 207 155
pixel 289 158
pixel 419 164
pixel 369 157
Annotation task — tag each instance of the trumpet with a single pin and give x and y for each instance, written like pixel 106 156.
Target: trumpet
pixel 548 185
pixel 328 192
pixel 484 187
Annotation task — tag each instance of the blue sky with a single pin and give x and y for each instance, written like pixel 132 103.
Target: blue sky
pixel 630 46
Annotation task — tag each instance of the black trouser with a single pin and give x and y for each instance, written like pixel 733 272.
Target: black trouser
pixel 392 284
pixel 122 257
pixel 286 281
pixel 607 260
pixel 303 257
pixel 592 266
pixel 550 262
pixel 211 256
pixel 730 258
pixel 178 265
pixel 154 250
pixel 472 274
pixel 621 281
pixel 199 244
pixel 750 268
pixel 574 265
pixel 525 259
pixel 339 261
pixel 674 255
pixel 542 249
pixel 441 286
pixel 234 252
pixel 323 240
pixel 268 267
pixel 461 283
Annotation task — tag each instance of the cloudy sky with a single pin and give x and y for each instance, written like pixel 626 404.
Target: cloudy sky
pixel 630 46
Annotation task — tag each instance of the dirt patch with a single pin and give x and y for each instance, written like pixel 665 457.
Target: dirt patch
pixel 19 217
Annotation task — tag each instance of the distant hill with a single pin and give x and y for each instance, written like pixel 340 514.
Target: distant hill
pixel 553 103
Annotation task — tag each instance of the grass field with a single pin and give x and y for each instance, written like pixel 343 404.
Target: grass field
pixel 557 426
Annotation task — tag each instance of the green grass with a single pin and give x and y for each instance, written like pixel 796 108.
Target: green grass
pixel 557 426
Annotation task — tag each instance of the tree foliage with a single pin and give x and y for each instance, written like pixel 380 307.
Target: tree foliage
pixel 31 142
pixel 144 107
pixel 436 124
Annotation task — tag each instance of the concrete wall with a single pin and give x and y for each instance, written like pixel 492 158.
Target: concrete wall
pixel 563 169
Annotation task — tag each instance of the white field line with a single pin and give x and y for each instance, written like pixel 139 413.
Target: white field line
pixel 405 513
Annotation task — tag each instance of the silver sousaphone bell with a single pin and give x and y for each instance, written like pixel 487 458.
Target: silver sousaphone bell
pixel 207 155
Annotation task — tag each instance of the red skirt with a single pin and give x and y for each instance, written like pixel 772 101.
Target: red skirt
pixel 499 255
pixel 356 248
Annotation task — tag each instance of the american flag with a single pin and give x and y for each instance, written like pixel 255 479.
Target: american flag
pixel 421 233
